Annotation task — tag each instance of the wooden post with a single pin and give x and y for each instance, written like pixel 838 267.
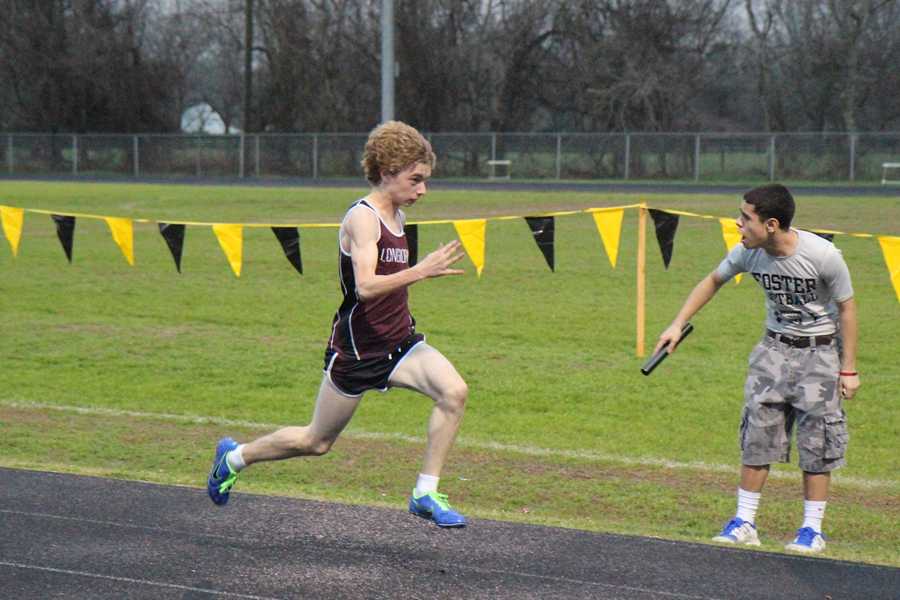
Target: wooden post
pixel 641 276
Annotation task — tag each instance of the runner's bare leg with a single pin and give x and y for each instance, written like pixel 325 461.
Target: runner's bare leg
pixel 332 413
pixel 427 371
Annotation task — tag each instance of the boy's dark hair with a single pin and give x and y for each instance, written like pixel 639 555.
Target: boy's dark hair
pixel 772 201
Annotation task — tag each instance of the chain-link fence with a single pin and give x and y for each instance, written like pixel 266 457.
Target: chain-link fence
pixel 567 156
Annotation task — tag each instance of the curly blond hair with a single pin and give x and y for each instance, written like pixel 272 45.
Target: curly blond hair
pixel 392 147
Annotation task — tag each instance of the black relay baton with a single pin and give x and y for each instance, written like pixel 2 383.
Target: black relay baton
pixel 661 355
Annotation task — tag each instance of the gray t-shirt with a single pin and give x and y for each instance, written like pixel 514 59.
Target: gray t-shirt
pixel 801 289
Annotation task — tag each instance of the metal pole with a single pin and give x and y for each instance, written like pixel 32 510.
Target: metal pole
pixel 772 158
pixel 9 153
pixel 137 157
pixel 316 156
pixel 241 159
pixel 74 155
pixel 388 66
pixel 853 157
pixel 257 155
pixel 558 155
pixel 627 155
pixel 248 66
pixel 697 158
pixel 493 146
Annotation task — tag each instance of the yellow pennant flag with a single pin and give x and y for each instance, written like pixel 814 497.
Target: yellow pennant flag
pixel 609 224
pixel 232 242
pixel 472 234
pixel 891 248
pixel 12 225
pixel 123 234
pixel 732 236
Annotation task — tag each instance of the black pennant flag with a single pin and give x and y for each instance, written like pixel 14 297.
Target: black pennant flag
pixel 543 229
pixel 65 230
pixel 290 243
pixel 827 236
pixel 412 242
pixel 174 236
pixel 666 224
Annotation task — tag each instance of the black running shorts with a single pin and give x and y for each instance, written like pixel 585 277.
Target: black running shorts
pixel 353 377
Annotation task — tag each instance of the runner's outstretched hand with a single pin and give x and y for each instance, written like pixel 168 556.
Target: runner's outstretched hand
pixel 437 263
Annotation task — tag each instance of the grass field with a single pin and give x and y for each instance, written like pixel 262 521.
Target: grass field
pixel 136 372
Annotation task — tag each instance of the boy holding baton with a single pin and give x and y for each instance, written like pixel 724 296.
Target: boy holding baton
pixel 800 371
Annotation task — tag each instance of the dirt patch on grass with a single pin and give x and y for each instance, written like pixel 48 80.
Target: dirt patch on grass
pixel 115 438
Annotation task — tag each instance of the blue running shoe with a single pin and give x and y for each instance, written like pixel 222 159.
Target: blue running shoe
pixel 221 477
pixel 434 506
pixel 738 531
pixel 808 541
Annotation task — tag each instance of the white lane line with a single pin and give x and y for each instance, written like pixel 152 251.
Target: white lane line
pixel 461 441
pixel 160 584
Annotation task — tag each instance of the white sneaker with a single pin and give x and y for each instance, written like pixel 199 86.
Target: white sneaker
pixel 808 541
pixel 738 531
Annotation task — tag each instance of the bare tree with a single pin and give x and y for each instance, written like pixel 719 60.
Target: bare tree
pixel 464 65
pixel 83 66
pixel 208 37
pixel 852 22
pixel 635 65
pixel 762 23
pixel 833 57
pixel 318 68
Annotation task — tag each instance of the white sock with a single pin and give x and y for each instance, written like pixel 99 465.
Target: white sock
pixel 813 513
pixel 235 459
pixel 747 504
pixel 425 484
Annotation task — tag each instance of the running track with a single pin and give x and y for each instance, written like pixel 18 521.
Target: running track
pixel 66 536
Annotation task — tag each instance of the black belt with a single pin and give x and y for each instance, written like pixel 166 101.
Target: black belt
pixel 801 342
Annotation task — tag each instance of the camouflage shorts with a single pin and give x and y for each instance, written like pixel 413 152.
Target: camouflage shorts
pixel 789 386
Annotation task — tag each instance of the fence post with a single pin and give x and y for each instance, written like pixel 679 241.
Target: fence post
pixel 137 157
pixel 494 146
pixel 74 154
pixel 257 155
pixel 196 153
pixel 241 159
pixel 558 155
pixel 9 153
pixel 627 155
pixel 697 158
pixel 316 156
pixel 852 157
pixel 772 158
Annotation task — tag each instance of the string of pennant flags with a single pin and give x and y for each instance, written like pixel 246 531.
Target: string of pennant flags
pixel 471 232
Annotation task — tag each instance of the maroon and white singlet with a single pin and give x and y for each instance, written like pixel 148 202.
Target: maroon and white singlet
pixel 375 328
